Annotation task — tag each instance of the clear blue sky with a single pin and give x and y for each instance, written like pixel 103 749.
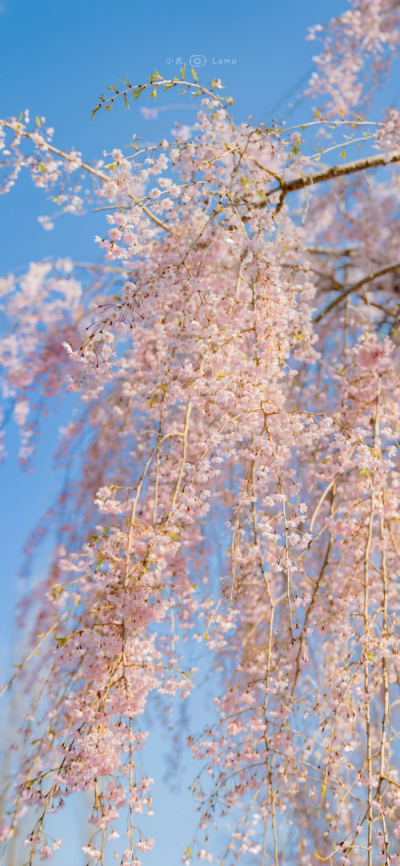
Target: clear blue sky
pixel 56 56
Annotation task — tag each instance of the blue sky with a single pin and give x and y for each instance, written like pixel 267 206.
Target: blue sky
pixel 55 58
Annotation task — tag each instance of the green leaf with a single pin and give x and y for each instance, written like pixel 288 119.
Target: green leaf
pixel 62 640
pixel 95 110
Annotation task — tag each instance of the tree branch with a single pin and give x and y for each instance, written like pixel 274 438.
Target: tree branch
pixel 354 287
pixel 333 172
pixel 15 127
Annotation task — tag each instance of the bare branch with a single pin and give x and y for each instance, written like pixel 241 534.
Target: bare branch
pixel 333 172
pixel 354 287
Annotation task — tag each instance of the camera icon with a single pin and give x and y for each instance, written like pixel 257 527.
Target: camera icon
pixel 197 60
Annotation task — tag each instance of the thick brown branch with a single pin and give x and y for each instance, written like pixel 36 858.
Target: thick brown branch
pixel 354 287
pixel 335 171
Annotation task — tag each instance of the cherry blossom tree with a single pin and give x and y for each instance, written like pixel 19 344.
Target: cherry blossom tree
pixel 232 477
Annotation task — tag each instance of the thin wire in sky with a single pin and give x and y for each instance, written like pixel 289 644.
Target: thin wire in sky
pixel 270 113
